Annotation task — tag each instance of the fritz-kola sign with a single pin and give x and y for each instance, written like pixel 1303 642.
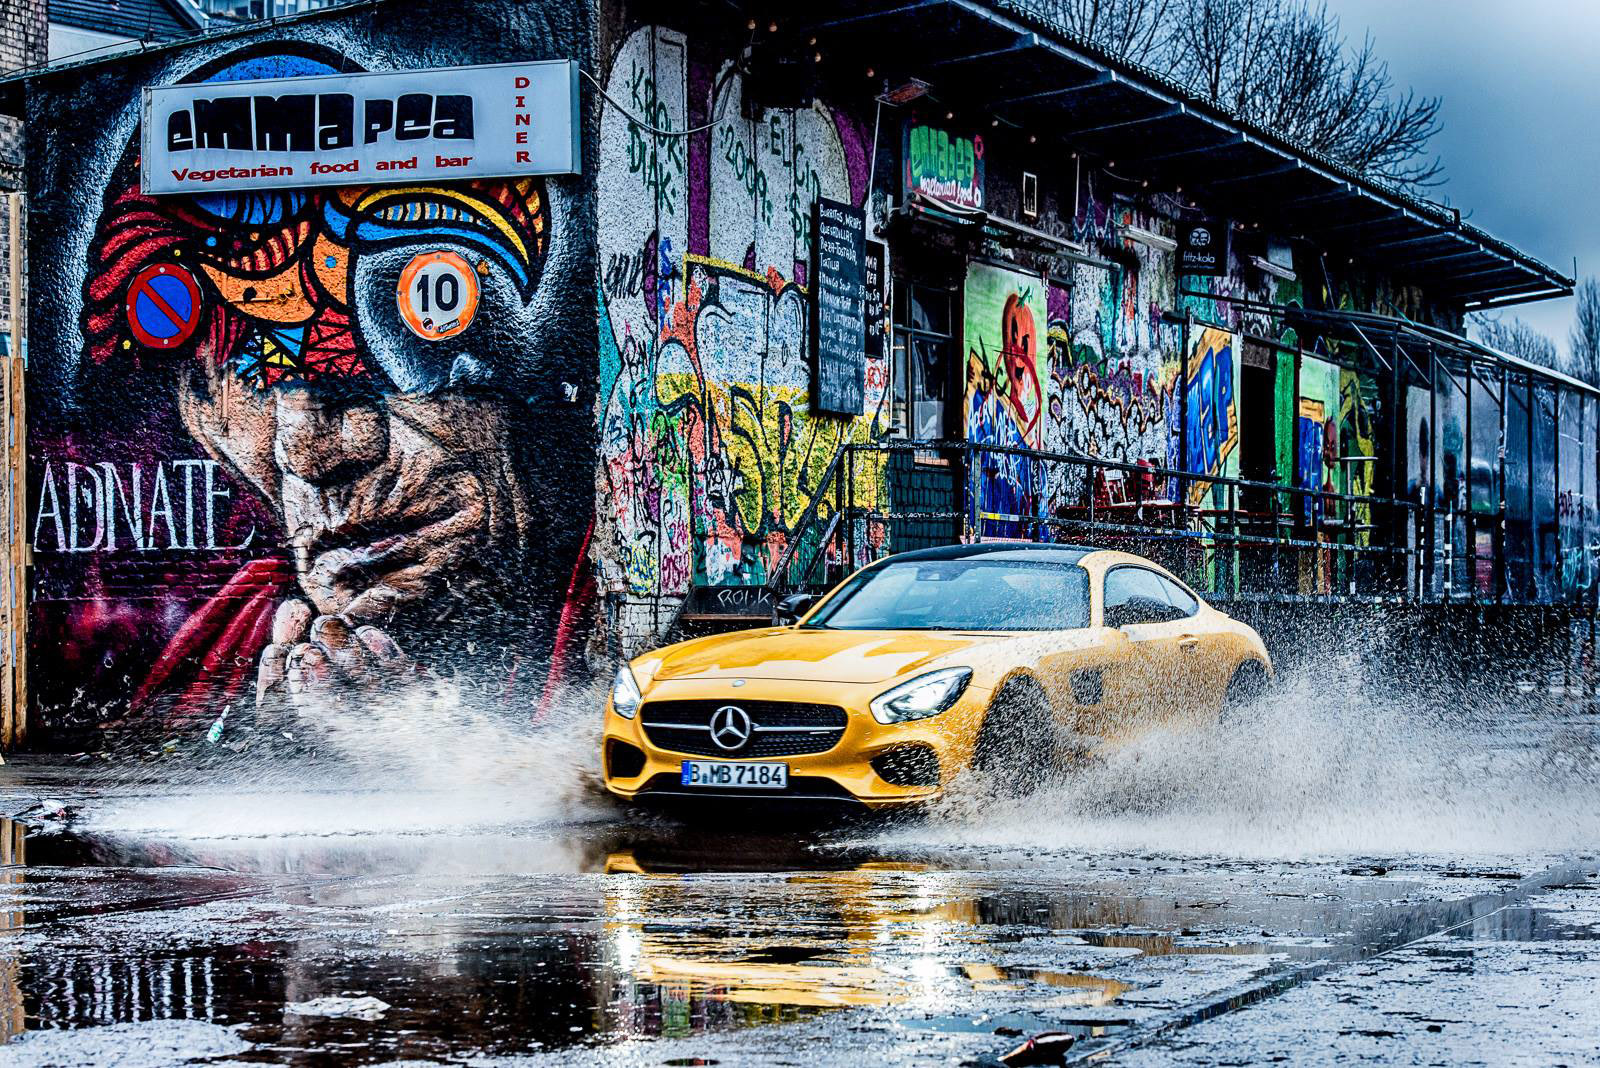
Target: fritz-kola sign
pixel 502 120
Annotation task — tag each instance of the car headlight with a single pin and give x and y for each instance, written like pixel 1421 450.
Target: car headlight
pixel 924 696
pixel 625 695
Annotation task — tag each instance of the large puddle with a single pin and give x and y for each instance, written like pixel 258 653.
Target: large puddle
pixel 521 940
pixel 528 915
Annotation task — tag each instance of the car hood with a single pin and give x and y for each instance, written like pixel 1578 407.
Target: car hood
pixel 816 655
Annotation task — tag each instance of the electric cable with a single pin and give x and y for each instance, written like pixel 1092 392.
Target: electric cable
pixel 645 126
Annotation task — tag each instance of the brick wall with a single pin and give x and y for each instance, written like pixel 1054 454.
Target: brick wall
pixel 23 41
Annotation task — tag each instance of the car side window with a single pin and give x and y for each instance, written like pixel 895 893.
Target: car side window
pixel 1178 597
pixel 1124 584
pixel 1138 595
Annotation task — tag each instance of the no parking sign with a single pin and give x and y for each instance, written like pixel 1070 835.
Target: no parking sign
pixel 438 295
pixel 163 306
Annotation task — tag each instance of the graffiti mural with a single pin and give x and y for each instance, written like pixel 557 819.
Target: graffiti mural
pixel 255 489
pixel 1113 360
pixel 1358 421
pixel 709 452
pixel 1211 395
pixel 1005 326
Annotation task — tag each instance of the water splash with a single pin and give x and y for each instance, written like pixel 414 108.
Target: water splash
pixel 435 759
pixel 1317 768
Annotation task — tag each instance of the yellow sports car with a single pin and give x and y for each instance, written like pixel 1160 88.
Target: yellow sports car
pixel 1008 659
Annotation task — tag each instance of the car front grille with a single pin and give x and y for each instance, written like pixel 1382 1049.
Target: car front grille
pixel 777 728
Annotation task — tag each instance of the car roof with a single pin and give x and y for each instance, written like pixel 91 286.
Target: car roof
pixel 1003 551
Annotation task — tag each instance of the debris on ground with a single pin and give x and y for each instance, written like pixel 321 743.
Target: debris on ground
pixel 1049 1047
pixel 362 1008
pixel 1454 874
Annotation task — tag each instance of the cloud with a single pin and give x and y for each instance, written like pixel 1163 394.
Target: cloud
pixel 1520 98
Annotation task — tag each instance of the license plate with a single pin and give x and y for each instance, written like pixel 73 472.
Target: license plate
pixel 750 774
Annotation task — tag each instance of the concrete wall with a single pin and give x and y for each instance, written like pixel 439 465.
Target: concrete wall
pixel 194 511
pixel 708 448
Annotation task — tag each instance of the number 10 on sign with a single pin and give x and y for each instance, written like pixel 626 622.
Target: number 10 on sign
pixel 438 295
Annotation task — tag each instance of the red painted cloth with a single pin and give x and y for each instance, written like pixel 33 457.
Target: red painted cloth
pixel 211 661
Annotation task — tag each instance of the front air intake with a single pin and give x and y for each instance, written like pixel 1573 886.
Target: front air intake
pixel 623 761
pixel 909 765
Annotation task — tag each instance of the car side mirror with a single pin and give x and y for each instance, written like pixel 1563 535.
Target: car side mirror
pixel 791 608
pixel 1136 610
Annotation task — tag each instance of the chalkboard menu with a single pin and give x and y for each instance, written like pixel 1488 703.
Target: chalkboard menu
pixel 876 299
pixel 839 384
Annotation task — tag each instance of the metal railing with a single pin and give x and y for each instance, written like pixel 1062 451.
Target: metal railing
pixel 1230 537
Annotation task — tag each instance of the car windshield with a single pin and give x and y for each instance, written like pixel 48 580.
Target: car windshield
pixel 972 594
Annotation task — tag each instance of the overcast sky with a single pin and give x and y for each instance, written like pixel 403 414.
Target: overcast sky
pixel 1521 138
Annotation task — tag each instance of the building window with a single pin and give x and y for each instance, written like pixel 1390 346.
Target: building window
pixel 924 351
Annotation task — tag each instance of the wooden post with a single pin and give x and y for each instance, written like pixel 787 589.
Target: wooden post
pixel 14 729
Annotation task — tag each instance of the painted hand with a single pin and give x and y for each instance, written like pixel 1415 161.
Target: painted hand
pixel 314 660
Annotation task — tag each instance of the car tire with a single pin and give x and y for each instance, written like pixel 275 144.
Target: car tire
pixel 1249 682
pixel 1017 752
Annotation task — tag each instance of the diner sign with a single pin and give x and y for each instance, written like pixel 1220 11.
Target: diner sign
pixel 499 120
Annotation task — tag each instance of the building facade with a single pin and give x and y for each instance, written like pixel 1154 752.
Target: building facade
pixel 1085 308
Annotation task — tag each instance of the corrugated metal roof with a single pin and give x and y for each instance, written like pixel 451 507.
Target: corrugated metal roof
pixel 988 58
pixel 141 20
pixel 11 82
pixel 991 58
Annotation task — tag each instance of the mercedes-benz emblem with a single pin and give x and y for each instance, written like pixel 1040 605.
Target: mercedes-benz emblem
pixel 730 727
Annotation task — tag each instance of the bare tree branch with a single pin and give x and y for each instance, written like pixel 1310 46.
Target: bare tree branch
pixel 1584 340
pixel 1515 337
pixel 1282 64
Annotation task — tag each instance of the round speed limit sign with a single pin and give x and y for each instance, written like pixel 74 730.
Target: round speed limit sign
pixel 438 295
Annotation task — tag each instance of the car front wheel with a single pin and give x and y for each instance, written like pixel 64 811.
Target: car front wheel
pixel 1017 745
pixel 1246 687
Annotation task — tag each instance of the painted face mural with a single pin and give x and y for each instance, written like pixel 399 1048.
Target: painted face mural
pixel 395 513
pixel 1019 356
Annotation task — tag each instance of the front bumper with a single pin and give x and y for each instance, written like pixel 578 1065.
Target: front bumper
pixel 844 774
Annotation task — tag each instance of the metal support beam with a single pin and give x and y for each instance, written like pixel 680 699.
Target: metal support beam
pixel 1104 77
pixel 1342 193
pixel 1407 242
pixel 1525 298
pixel 1087 131
pixel 1021 44
pixel 1168 157
pixel 868 16
pixel 1376 355
pixel 1475 292
pixel 1271 172
pixel 1356 224
pixel 1432 261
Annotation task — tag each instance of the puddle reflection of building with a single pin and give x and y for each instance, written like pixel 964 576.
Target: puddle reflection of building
pixel 13 858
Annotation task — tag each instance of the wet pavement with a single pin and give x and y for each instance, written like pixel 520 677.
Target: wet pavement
pixel 145 925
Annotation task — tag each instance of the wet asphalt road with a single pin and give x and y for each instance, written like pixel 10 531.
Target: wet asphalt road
pixel 143 930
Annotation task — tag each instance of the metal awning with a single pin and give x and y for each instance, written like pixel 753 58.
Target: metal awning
pixel 986 58
pixel 1380 336
pixel 982 58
